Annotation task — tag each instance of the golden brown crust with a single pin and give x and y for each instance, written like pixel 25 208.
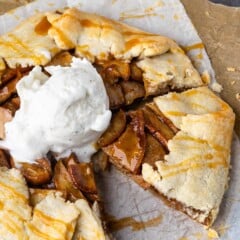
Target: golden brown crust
pixel 195 172
pixel 74 28
pixel 190 168
pixel 24 46
pixel 37 40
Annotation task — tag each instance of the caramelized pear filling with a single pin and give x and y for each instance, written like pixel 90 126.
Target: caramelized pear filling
pixel 154 150
pixel 63 182
pixel 138 133
pixel 143 141
pixel 114 130
pixel 37 173
pixel 123 82
pixel 124 85
pixel 4 162
pixel 76 179
pixel 132 138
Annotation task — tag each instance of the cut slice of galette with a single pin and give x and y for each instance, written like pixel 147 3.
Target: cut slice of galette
pixel 60 212
pixel 179 144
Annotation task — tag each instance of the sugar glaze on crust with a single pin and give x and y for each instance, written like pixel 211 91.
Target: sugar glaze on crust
pixel 37 40
pixel 195 171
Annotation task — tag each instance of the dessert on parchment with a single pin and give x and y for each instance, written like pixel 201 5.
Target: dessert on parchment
pixel 168 131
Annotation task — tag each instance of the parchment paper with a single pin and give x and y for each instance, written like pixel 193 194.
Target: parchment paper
pixel 124 199
pixel 219 28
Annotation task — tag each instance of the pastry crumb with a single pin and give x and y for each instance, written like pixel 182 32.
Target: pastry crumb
pixel 231 69
pixel 216 87
pixel 212 234
pixel 238 96
pixel 205 77
pixel 233 82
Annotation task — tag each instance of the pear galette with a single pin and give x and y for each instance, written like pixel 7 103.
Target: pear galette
pixel 168 132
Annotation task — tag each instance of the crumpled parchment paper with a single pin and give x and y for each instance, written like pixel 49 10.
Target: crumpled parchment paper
pixel 133 212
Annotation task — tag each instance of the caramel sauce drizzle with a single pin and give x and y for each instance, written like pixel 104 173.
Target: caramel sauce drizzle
pixel 195 91
pixel 11 226
pixel 197 105
pixel 189 163
pixel 25 47
pixel 192 47
pixel 10 45
pixel 125 16
pixel 8 225
pixel 13 192
pixel 191 93
pixel 39 233
pixel 185 162
pixel 175 113
pixel 18 46
pixel 64 38
pixel 118 224
pixel 145 34
pixel 84 49
pixel 43 26
pixel 50 221
pixel 180 114
pixel 15 215
pixel 12 223
pixel 133 42
pixel 195 166
pixel 202 141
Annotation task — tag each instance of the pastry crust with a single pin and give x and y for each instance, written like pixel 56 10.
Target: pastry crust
pixel 84 230
pixel 168 71
pixel 97 38
pixel 53 218
pixel 195 172
pixel 15 210
pixel 101 38
pixel 26 46
pixel 48 217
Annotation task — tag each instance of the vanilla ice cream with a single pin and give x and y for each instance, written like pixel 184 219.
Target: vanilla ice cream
pixel 65 112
